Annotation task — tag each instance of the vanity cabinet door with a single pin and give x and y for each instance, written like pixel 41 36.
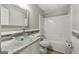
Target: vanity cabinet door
pixel 35 48
pixel 25 50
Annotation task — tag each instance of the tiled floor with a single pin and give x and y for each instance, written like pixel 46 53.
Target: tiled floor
pixel 53 52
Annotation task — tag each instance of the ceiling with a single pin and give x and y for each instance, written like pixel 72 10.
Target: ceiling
pixel 53 8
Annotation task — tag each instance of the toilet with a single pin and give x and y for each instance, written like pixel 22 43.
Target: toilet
pixel 44 44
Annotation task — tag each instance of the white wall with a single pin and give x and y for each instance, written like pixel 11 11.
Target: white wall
pixel 0 30
pixel 35 11
pixel 75 26
pixel 75 17
pixel 41 24
pixel 58 29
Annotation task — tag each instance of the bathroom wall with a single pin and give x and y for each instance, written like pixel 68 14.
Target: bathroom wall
pixel 34 11
pixel 41 24
pixel 0 32
pixel 58 31
pixel 75 27
pixel 75 16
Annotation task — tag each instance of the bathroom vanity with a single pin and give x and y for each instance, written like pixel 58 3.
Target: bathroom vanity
pixel 22 44
pixel 31 48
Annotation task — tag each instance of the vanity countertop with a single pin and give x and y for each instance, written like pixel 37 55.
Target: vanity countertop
pixel 13 46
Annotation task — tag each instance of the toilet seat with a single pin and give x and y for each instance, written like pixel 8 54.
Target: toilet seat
pixel 45 43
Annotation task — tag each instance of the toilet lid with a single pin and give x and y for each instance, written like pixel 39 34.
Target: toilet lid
pixel 45 43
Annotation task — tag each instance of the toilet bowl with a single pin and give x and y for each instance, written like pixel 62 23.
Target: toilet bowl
pixel 44 44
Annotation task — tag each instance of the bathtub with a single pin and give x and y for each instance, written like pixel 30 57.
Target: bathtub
pixel 58 46
pixel 30 45
pixel 62 47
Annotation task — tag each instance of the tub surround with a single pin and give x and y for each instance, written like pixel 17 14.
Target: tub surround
pixel 57 30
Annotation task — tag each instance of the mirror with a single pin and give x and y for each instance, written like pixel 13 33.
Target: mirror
pixel 4 16
pixel 13 15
